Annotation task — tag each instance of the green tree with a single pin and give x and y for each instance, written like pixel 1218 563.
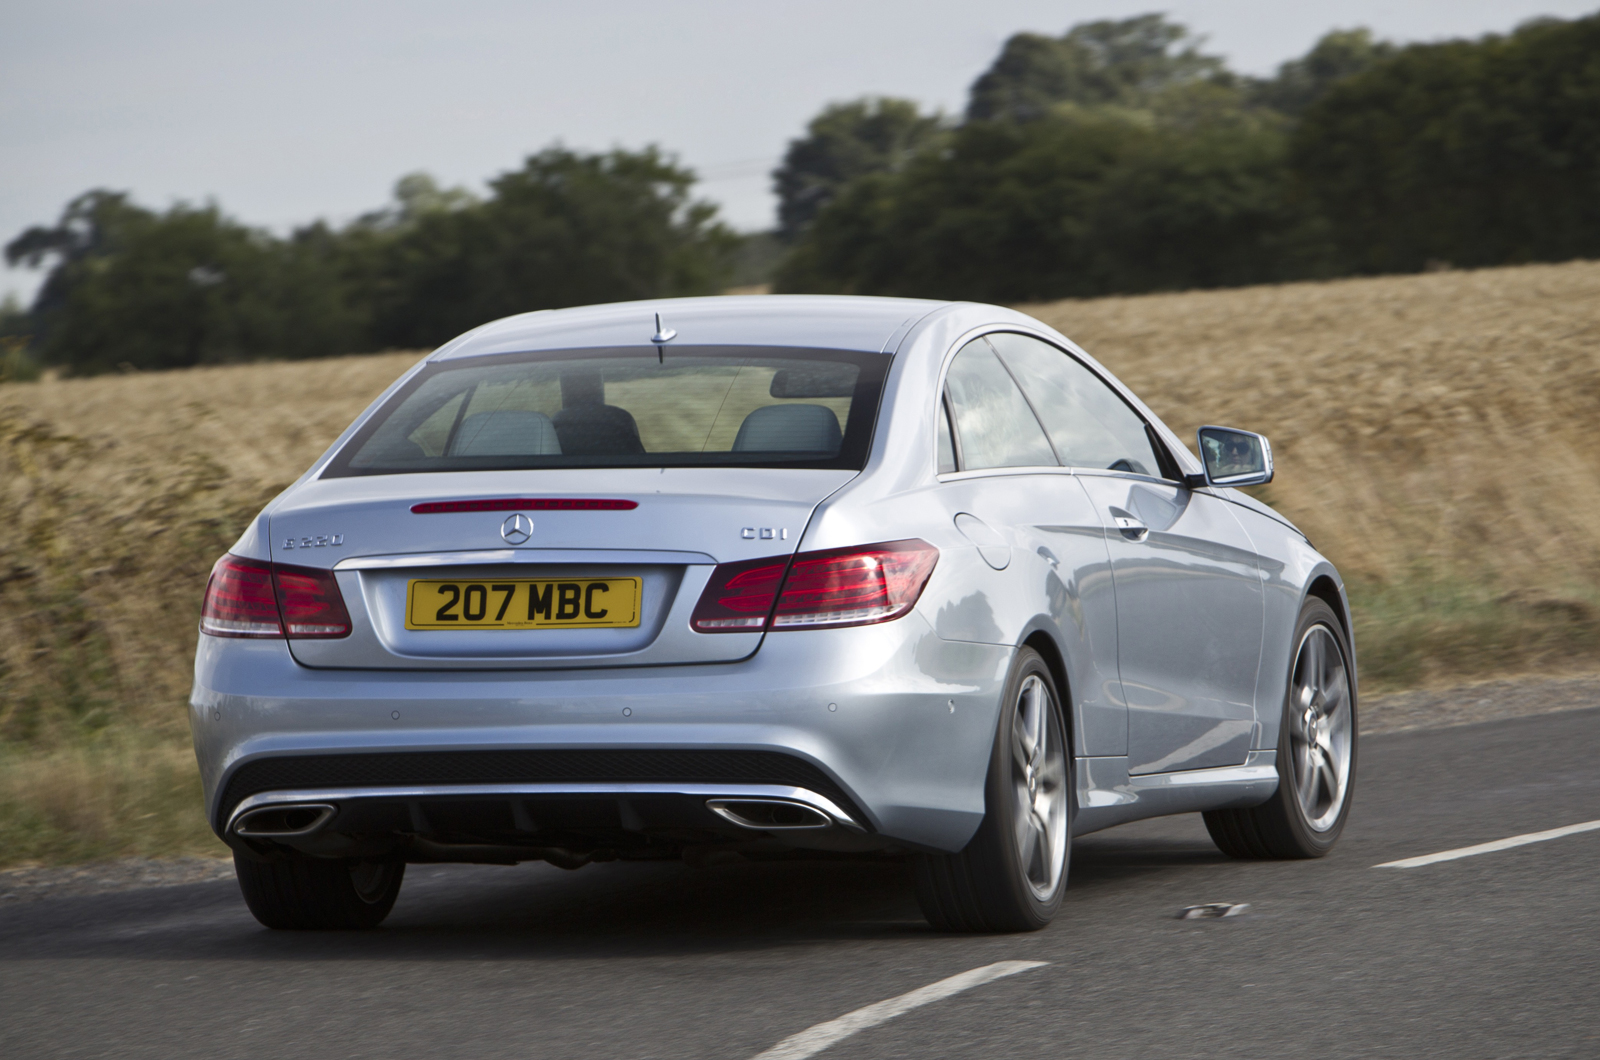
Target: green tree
pixel 1472 152
pixel 16 332
pixel 1124 63
pixel 1337 55
pixel 844 142
pixel 1024 211
pixel 128 286
pixel 565 229
pixel 91 230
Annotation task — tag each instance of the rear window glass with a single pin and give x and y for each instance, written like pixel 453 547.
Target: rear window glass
pixel 684 407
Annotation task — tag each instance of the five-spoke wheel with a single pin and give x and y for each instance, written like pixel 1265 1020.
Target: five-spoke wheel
pixel 1316 752
pixel 1012 874
pixel 1039 788
pixel 1321 727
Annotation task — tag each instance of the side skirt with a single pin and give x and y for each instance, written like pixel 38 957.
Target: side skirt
pixel 1108 796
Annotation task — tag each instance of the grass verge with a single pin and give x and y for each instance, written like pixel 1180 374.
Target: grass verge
pixel 117 794
pixel 1435 632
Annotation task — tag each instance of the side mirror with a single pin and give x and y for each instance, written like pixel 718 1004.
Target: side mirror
pixel 1235 458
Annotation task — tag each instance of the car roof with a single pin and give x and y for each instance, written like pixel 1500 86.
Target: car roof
pixel 836 322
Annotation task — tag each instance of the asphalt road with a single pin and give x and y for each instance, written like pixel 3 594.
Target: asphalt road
pixel 1488 956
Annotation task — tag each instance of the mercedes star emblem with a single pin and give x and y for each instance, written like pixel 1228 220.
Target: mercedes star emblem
pixel 516 529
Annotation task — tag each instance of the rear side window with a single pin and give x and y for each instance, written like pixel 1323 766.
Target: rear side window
pixel 686 407
pixel 993 423
pixel 1089 422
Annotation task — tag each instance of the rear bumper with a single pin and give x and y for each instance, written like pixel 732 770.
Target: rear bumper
pixel 885 729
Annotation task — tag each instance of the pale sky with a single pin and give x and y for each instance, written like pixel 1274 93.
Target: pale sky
pixel 289 111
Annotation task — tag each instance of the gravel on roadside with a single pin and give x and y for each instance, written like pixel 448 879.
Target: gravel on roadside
pixel 1468 704
pixel 98 877
pixel 1396 712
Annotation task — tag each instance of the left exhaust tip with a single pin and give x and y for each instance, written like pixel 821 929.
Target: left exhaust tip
pixel 282 822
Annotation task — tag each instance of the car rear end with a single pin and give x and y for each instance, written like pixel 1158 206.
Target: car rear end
pixel 555 603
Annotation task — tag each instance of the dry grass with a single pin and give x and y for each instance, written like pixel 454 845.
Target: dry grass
pixel 1445 421
pixel 116 494
pixel 117 795
pixel 1435 436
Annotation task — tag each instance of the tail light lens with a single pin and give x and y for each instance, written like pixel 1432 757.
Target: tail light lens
pixel 854 586
pixel 240 600
pixel 247 598
pixel 311 603
pixel 739 596
pixel 839 587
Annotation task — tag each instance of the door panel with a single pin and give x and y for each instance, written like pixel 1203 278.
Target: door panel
pixel 1059 567
pixel 1188 593
pixel 1189 622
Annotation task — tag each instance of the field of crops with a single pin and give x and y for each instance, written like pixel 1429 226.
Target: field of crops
pixel 1435 436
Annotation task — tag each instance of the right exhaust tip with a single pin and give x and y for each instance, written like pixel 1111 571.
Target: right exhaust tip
pixel 769 815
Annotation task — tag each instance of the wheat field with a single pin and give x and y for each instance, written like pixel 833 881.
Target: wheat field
pixel 1446 422
pixel 1435 436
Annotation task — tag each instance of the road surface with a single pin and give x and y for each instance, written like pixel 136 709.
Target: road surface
pixel 1491 955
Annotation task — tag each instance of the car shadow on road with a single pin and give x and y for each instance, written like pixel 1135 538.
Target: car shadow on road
pixel 465 912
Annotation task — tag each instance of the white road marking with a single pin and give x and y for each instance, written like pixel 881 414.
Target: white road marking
pixel 813 1040
pixel 1489 848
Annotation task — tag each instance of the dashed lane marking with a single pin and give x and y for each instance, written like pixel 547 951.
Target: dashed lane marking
pixel 813 1040
pixel 1490 848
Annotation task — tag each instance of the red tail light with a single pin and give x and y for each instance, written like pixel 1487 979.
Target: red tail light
pixel 854 586
pixel 247 598
pixel 739 596
pixel 311 603
pixel 839 587
pixel 240 601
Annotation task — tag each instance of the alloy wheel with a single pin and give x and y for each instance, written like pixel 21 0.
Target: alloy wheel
pixel 1320 728
pixel 1039 786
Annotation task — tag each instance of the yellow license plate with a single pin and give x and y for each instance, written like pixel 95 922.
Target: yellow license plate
pixel 522 603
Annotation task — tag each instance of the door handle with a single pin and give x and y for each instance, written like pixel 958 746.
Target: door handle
pixel 1131 528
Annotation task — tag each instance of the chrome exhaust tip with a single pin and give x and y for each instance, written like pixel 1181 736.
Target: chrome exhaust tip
pixel 285 821
pixel 769 815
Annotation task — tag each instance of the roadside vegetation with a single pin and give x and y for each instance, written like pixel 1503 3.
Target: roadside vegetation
pixel 1434 436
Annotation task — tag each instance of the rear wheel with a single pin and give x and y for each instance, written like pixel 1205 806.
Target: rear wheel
pixel 296 892
pixel 1012 874
pixel 1316 753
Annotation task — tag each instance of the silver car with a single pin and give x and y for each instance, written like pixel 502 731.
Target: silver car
pixel 765 576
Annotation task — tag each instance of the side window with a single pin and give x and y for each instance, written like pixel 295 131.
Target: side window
pixel 992 419
pixel 947 445
pixel 1089 422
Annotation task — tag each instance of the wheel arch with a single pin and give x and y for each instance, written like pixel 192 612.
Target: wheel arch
pixel 1324 587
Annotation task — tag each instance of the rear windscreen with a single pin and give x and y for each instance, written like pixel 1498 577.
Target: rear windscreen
pixel 687 407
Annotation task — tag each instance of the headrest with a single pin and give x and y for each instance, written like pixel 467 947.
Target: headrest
pixel 789 429
pixel 582 386
pixel 507 433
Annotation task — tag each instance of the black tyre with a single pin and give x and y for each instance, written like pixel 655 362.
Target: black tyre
pixel 299 893
pixel 1012 874
pixel 1316 753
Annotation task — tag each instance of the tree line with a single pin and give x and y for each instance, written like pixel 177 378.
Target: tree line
pixel 1118 157
pixel 131 287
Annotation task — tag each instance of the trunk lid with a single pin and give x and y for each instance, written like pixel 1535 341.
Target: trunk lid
pixel 686 521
